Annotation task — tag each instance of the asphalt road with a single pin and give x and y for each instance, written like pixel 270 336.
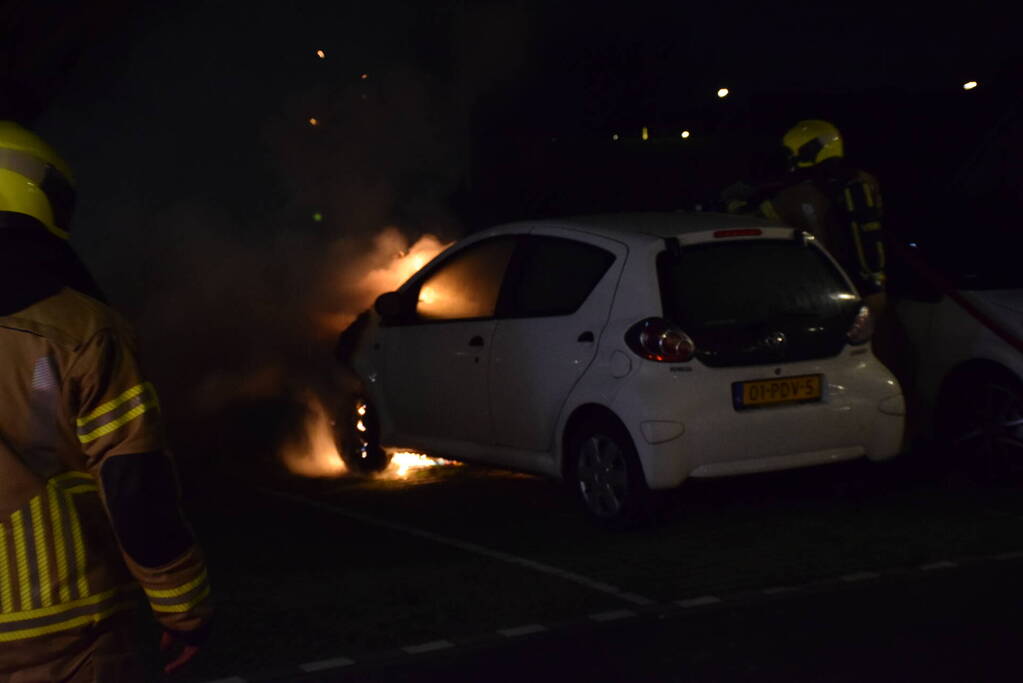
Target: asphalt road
pixel 457 572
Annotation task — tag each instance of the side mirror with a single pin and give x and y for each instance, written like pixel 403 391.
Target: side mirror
pixel 390 305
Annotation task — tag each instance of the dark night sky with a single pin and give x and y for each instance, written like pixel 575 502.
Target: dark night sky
pixel 209 90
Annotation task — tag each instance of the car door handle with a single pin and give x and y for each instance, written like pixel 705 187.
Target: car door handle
pixel 476 341
pixel 585 337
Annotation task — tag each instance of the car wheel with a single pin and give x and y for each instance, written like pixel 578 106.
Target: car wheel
pixel 357 435
pixel 980 421
pixel 606 477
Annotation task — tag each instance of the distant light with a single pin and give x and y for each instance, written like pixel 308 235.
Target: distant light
pixel 723 92
pixel 969 85
pixel 314 122
pixel 913 244
pixel 615 136
pixel 646 133
pixel 364 76
pixel 318 217
pixel 321 54
pixel 685 133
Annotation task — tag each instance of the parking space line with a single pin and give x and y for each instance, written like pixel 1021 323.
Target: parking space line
pixel 699 602
pixel 541 567
pixel 432 646
pixel 522 630
pixel 325 664
pixel 613 615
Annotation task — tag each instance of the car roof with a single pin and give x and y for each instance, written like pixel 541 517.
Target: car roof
pixel 653 224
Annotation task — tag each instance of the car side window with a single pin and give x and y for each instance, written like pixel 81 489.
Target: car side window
pixel 468 284
pixel 554 277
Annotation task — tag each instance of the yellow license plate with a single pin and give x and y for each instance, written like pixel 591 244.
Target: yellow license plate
pixel 767 392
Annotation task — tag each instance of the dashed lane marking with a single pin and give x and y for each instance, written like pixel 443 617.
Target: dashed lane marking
pixel 522 630
pixel 659 608
pixel 541 567
pixel 432 646
pixel 324 664
pixel 613 615
pixel 1008 556
pixel 699 602
pixel 931 566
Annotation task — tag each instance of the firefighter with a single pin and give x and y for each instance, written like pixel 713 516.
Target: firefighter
pixel 89 507
pixel 837 203
pixel 825 196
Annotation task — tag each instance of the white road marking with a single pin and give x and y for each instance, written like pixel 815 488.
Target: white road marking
pixel 522 630
pixel 1009 556
pixel 432 646
pixel 860 576
pixel 472 548
pixel 698 602
pixel 943 564
pixel 324 664
pixel 613 615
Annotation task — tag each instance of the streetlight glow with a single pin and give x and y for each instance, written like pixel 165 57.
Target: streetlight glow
pixel 685 133
pixel 969 85
pixel 723 92
pixel 321 54
pixel 314 122
pixel 364 76
pixel 646 133
pixel 615 136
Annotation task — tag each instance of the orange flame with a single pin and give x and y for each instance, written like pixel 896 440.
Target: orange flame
pixel 316 455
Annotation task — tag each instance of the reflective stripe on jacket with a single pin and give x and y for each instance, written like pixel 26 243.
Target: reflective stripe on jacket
pixel 72 400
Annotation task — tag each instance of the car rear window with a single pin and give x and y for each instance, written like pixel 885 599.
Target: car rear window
pixel 730 295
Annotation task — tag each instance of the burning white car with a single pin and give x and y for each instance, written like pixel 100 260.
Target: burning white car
pixel 624 354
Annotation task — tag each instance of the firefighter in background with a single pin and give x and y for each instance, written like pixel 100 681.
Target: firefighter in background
pixel 89 505
pixel 841 206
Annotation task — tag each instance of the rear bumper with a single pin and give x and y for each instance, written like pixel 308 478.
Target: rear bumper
pixel 861 414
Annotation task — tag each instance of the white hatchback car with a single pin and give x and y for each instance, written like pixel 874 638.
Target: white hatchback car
pixel 626 353
pixel 963 315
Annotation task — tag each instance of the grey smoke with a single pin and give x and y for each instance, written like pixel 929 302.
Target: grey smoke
pixel 201 182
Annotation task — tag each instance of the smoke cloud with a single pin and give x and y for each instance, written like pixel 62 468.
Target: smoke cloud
pixel 239 237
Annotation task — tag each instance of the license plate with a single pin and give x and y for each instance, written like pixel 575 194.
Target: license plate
pixel 769 392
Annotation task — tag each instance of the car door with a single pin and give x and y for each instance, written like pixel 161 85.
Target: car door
pixel 554 309
pixel 435 379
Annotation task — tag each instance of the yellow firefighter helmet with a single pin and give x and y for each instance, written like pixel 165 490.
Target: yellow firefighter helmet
pixel 810 142
pixel 34 180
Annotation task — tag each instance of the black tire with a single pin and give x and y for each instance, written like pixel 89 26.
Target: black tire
pixel 357 435
pixel 605 476
pixel 980 422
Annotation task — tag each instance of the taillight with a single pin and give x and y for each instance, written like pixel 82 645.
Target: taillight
pixel 740 232
pixel 862 328
pixel 656 339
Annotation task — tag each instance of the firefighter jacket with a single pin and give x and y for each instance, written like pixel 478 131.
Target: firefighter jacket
pixel 842 208
pixel 88 494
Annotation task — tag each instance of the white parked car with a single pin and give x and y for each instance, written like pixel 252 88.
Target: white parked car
pixel 626 353
pixel 963 315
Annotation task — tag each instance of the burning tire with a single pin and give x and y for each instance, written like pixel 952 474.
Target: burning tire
pixel 358 439
pixel 605 475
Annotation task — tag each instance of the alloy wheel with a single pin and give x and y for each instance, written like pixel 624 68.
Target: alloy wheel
pixel 602 476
